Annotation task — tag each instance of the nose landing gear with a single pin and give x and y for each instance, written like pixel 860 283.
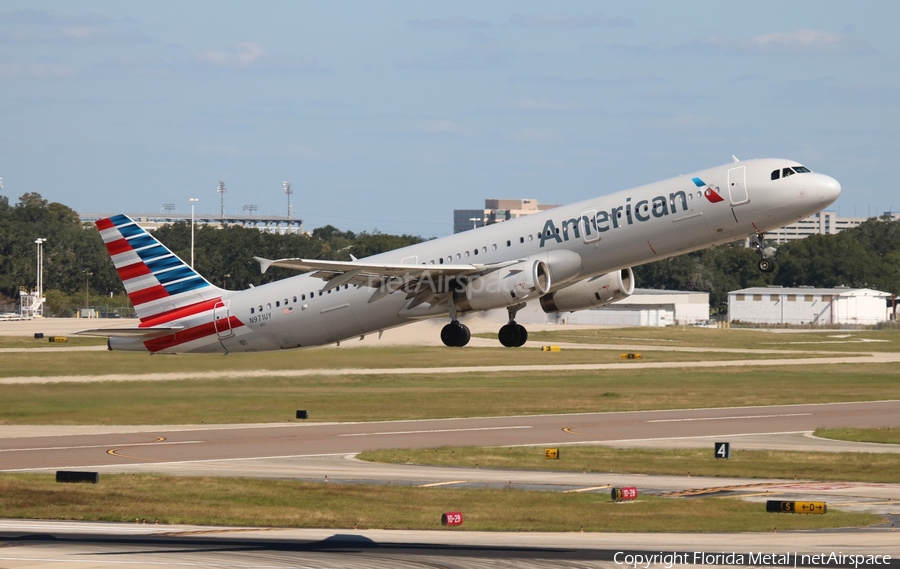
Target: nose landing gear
pixel 765 265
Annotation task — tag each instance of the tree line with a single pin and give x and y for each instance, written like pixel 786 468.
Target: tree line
pixel 76 264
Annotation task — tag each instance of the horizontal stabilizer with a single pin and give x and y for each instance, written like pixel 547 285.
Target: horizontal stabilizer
pixel 142 333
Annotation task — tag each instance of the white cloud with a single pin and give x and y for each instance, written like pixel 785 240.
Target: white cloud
pixel 544 105
pixel 452 23
pixel 242 54
pixel 442 126
pixel 802 42
pixel 536 135
pixel 562 20
pixel 41 70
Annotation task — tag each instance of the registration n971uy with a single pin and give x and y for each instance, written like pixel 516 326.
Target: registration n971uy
pixel 568 258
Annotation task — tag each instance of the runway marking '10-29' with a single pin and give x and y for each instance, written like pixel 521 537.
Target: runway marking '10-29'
pixel 729 418
pixel 433 431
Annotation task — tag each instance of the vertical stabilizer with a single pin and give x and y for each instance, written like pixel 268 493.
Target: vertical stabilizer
pixel 158 283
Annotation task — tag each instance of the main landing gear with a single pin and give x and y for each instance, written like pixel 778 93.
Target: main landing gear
pixel 455 334
pixel 765 265
pixel 513 335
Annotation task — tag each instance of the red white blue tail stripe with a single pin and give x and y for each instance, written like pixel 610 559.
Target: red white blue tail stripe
pixel 155 279
pixel 164 290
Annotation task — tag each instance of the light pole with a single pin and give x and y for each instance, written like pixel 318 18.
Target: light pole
pixel 221 191
pixel 40 265
pixel 193 201
pixel 288 191
pixel 475 221
pixel 38 302
pixel 87 293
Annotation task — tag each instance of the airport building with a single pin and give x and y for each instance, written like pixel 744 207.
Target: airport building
pixel 281 225
pixel 646 307
pixel 809 306
pixel 822 223
pixel 495 211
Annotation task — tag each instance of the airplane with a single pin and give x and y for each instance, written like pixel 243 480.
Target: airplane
pixel 568 258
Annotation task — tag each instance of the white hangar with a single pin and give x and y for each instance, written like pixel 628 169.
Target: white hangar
pixel 806 305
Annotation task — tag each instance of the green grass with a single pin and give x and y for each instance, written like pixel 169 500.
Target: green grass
pixel 252 502
pixel 887 435
pixel 30 342
pixel 848 466
pixel 423 396
pixel 104 363
pixel 827 341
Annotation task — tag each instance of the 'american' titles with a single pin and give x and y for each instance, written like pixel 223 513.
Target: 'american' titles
pixel 618 216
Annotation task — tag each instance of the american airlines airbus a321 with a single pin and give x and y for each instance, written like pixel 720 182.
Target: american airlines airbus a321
pixel 568 258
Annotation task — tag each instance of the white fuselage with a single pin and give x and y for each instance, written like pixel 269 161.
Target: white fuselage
pixel 610 232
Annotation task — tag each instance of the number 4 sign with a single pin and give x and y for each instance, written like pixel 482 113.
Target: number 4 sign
pixel 722 450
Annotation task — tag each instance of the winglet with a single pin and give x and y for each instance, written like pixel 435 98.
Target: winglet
pixel 735 158
pixel 264 264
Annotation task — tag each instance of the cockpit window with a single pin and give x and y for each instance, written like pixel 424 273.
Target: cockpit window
pixel 785 172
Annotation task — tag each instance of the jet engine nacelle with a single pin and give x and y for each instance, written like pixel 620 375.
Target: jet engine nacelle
pixel 527 279
pixel 590 293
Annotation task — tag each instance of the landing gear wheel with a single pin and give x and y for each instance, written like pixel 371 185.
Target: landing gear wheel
pixel 765 265
pixel 513 335
pixel 455 335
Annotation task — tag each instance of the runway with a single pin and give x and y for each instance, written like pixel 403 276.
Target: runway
pixel 326 452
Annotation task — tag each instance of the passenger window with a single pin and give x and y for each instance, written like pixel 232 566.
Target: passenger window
pixel 475 251
pixel 252 310
pixel 458 256
pixel 441 260
pixel 521 240
pixel 277 303
pixel 260 307
pixel 776 174
pixel 509 243
pixel 467 254
pixel 530 237
pixel 285 302
pixel 269 305
pixel 302 297
pixel 494 246
pixel 295 299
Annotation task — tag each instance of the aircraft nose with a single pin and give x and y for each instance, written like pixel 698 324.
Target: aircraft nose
pixel 829 190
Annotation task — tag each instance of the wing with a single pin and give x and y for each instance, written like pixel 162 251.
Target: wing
pixel 386 278
pixel 143 333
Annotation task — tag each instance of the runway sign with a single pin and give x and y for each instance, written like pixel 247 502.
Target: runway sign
pixel 622 494
pixel 631 356
pixel 451 519
pixel 75 477
pixel 778 506
pixel 551 453
pixel 722 450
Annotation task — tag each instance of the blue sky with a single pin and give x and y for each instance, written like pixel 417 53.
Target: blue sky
pixel 388 115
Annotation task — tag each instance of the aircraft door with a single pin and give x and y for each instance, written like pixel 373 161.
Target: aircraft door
pixel 737 186
pixel 589 226
pixel 222 320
